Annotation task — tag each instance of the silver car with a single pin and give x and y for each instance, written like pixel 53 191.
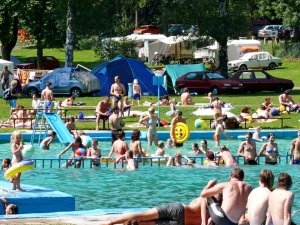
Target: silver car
pixel 65 81
pixel 253 60
pixel 269 31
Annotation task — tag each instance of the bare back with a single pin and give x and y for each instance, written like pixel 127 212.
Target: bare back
pixel 235 196
pixel 280 204
pixel 257 205
pixel 47 95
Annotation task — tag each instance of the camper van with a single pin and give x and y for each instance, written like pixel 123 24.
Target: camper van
pixel 237 48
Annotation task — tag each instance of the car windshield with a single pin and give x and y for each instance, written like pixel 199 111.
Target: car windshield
pixel 213 76
pixel 246 57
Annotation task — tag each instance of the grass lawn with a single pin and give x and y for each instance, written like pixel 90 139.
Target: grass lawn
pixel 238 101
pixel 290 70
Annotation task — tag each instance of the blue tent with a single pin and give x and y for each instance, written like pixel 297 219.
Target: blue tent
pixel 128 69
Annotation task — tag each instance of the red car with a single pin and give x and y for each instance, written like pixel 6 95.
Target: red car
pixel 48 63
pixel 260 80
pixel 206 81
pixel 152 29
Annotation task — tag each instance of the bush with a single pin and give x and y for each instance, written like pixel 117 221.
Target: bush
pixel 86 43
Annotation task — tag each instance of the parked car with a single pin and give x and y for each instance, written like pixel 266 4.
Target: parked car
pixel 255 60
pixel 48 63
pixel 284 33
pixel 152 29
pixel 206 81
pixel 180 29
pixel 269 31
pixel 65 81
pixel 260 80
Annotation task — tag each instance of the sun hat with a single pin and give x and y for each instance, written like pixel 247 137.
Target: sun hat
pixel 135 81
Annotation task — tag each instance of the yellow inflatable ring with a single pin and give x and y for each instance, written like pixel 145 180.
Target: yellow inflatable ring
pixel 182 132
pixel 19 168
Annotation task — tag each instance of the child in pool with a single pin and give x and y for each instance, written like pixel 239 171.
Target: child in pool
pixel 5 164
pixel 45 144
pixel 195 148
pixel 170 143
pixel 16 149
pixel 256 134
pixel 128 156
pixel 9 208
pixel 160 151
pixel 94 153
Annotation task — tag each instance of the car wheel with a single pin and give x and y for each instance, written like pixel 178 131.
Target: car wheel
pixel 76 92
pixel 215 90
pixel 280 88
pixel 32 91
pixel 272 66
pixel 243 67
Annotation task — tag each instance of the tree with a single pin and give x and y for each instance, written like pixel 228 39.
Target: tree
pixel 286 10
pixel 218 19
pixel 9 21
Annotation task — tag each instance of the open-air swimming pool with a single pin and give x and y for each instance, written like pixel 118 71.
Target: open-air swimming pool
pixel 103 188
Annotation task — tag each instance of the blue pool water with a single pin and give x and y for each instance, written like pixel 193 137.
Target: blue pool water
pixel 103 188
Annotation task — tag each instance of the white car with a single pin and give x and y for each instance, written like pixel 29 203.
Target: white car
pixel 269 31
pixel 253 60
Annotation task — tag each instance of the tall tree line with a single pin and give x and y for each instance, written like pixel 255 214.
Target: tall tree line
pixel 46 20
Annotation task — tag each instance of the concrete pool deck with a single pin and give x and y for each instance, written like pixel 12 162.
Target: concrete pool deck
pixel 90 217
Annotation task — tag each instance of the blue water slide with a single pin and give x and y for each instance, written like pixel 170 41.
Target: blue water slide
pixel 55 122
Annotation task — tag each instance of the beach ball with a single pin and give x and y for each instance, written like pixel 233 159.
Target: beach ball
pixel 86 141
pixel 274 112
pixel 199 123
pixel 80 152
pixel 282 108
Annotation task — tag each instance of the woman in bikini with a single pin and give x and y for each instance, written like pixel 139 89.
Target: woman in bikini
pixel 270 151
pixel 151 121
pixel 119 147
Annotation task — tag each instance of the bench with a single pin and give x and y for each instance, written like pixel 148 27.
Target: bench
pixel 255 119
pixel 89 119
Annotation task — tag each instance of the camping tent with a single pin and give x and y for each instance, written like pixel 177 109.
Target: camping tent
pixel 10 66
pixel 172 72
pixel 128 69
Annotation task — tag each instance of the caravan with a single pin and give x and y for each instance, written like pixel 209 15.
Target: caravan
pixel 237 48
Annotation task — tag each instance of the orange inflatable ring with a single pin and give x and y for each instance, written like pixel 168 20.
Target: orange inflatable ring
pixel 182 132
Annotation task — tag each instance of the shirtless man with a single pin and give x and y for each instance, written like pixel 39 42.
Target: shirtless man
pixel 102 110
pixel 117 90
pixel 235 194
pixel 47 96
pixel 177 119
pixel 135 144
pixel 286 100
pixel 258 199
pixel 186 98
pixel 280 202
pixel 69 101
pixel 295 150
pixel 116 123
pixel 247 149
pixel 172 213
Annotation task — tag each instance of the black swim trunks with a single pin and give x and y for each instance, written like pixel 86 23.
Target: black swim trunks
pixel 170 214
pixel 178 144
pixel 216 212
pixel 250 162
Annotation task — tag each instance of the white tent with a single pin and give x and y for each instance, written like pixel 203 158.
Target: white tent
pixel 10 66
pixel 173 45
